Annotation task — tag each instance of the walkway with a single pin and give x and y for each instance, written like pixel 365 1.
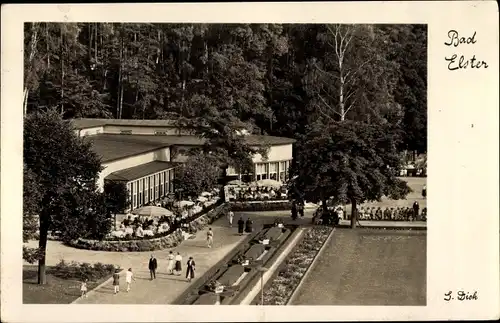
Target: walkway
pixel 166 288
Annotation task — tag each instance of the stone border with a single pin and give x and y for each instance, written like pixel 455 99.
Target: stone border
pixel 310 268
pixel 202 280
pixel 247 300
pixel 169 241
pixel 107 281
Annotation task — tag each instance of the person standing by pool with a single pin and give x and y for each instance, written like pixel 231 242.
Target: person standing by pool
pixel 171 263
pixel 190 269
pixel 153 264
pixel 230 217
pixel 210 237
pixel 178 264
pixel 416 208
pixel 116 281
pixel 241 224
pixel 248 226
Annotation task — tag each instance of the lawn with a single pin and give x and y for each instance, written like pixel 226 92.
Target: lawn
pixel 369 267
pixel 56 291
pixel 415 183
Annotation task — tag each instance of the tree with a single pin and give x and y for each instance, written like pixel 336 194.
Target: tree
pixel 67 170
pixel 349 162
pixel 31 208
pixel 198 174
pixel 352 76
pixel 116 196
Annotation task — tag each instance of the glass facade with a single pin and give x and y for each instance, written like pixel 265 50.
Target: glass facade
pixel 150 188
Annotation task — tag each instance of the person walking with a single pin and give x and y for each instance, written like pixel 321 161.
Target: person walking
pixel 230 217
pixel 424 191
pixel 190 269
pixel 129 278
pixel 248 226
pixel 83 288
pixel 241 224
pixel 416 208
pixel 178 264
pixel 171 263
pixel 116 281
pixel 210 237
pixel 153 264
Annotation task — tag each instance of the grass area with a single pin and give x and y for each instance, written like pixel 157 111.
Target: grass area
pixel 56 291
pixel 415 183
pixel 369 267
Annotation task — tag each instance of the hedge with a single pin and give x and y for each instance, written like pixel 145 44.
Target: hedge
pixel 81 271
pixel 230 276
pixel 150 244
pixel 206 299
pixel 273 233
pixel 255 251
pixel 261 206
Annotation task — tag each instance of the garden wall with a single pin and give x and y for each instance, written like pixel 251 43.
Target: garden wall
pixel 255 206
pixel 150 244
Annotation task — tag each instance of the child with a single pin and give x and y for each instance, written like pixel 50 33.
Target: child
pixel 210 237
pixel 83 288
pixel 116 281
pixel 129 278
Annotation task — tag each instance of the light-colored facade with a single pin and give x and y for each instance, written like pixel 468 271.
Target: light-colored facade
pixel 143 154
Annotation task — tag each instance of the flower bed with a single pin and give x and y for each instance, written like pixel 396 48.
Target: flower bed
pixel 279 290
pixel 147 243
pixel 256 206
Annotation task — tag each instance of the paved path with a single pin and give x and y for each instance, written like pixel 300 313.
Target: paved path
pixel 166 288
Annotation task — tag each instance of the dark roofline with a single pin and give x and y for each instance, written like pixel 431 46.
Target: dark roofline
pixel 136 154
pixel 121 122
pixel 115 176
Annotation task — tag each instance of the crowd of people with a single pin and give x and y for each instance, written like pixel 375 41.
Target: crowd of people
pixel 242 193
pixel 173 267
pixel 147 226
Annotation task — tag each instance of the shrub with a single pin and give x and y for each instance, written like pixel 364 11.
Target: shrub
pixel 81 271
pixel 255 251
pixel 230 276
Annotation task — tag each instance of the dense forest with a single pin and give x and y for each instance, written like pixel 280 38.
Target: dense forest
pixel 277 79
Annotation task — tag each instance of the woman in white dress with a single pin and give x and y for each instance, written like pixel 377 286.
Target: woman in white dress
pixel 178 264
pixel 171 263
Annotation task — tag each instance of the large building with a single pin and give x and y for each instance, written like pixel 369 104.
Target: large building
pixel 144 154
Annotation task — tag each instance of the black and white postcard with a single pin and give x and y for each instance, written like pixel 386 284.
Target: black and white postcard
pixel 298 161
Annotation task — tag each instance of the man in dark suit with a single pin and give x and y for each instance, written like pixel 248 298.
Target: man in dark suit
pixel 152 267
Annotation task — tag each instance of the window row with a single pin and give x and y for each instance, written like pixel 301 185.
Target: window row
pixel 150 188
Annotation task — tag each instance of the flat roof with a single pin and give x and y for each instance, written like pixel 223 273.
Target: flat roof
pixel 112 147
pixel 133 173
pixel 84 123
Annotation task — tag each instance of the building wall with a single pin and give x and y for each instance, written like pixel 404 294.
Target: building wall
pixel 142 130
pixel 162 154
pixel 90 131
pixel 275 153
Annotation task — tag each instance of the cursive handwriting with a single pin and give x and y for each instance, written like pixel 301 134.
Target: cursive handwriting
pixel 455 40
pixel 458 62
pixel 461 296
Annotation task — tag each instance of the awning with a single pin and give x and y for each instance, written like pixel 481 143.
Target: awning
pixel 133 173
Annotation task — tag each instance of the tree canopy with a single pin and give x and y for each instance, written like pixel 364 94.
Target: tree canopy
pixel 349 162
pixel 61 171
